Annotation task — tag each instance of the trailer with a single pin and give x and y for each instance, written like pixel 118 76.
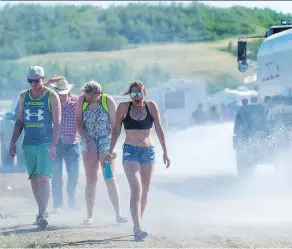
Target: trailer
pixel 177 99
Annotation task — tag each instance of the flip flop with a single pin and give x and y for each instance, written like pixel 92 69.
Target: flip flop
pixel 42 223
pixel 140 236
pixel 38 217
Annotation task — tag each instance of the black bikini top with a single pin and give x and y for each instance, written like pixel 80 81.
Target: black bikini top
pixel 132 124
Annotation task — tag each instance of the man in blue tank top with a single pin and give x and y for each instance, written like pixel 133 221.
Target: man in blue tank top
pixel 40 117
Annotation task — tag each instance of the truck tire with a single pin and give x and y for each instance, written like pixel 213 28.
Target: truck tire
pixel 244 163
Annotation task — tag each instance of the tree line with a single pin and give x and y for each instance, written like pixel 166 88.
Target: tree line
pixel 28 30
pixel 113 76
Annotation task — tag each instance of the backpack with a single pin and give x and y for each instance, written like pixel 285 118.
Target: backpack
pixel 103 103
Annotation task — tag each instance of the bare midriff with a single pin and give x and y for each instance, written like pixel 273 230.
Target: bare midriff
pixel 142 138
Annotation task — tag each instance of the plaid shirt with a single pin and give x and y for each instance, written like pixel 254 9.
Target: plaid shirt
pixel 69 133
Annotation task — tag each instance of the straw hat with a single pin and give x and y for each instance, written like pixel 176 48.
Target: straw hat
pixel 62 86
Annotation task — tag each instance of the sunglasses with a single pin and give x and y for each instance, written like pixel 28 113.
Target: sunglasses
pixel 139 94
pixel 35 80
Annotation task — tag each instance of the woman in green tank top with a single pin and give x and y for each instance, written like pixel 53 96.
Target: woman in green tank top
pixel 95 116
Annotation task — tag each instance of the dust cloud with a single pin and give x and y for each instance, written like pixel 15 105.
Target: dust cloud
pixel 201 189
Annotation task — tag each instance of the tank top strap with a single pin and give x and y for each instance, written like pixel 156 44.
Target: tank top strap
pixel 147 109
pixel 129 109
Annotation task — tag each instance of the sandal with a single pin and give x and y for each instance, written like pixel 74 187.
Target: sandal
pixel 121 219
pixel 38 217
pixel 88 221
pixel 42 223
pixel 140 236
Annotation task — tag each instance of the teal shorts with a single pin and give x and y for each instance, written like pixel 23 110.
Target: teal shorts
pixel 37 160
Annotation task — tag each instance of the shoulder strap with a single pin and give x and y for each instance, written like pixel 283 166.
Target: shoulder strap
pixel 129 109
pixel 104 102
pixel 49 100
pixel 25 94
pixel 24 98
pixel 148 111
pixel 85 105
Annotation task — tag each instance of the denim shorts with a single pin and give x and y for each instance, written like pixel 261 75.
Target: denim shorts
pixel 101 143
pixel 142 155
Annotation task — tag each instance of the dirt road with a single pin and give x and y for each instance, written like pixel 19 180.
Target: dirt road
pixel 189 206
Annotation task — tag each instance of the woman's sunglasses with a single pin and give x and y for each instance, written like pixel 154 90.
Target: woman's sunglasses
pixel 139 94
pixel 33 81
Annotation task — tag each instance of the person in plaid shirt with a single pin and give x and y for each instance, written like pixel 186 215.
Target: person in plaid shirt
pixel 68 146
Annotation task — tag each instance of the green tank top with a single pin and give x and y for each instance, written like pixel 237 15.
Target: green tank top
pixel 37 117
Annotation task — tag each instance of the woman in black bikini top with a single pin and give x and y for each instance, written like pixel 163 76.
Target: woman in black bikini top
pixel 133 124
pixel 138 117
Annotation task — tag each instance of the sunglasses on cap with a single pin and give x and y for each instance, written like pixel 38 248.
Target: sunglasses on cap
pixel 139 94
pixel 33 81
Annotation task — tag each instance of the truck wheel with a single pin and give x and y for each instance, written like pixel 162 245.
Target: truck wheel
pixel 245 165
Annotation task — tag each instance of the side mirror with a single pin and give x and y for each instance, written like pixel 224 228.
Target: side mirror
pixel 242 66
pixel 242 56
pixel 241 51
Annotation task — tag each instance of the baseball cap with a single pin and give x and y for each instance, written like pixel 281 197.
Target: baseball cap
pixel 36 71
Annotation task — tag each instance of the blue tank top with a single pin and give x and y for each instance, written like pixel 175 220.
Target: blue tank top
pixel 37 118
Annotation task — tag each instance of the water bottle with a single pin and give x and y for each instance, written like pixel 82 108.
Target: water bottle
pixel 107 171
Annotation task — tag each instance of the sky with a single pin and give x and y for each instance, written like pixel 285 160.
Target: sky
pixel 280 6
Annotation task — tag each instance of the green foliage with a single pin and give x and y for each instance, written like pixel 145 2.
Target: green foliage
pixel 35 29
pixel 252 49
pixel 229 46
pixel 223 81
pixel 113 76
pixel 12 76
pixel 153 75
